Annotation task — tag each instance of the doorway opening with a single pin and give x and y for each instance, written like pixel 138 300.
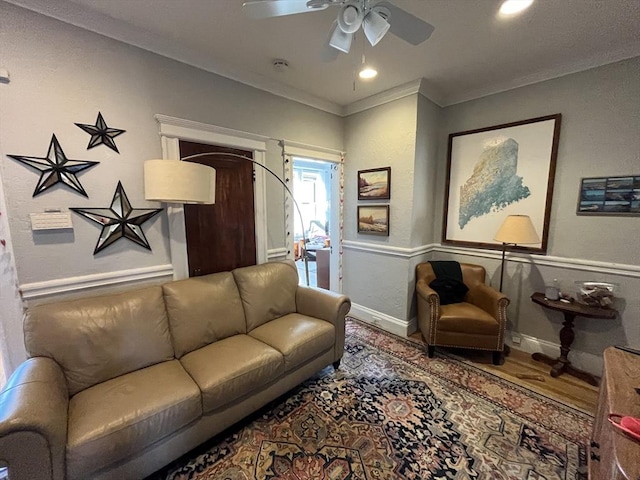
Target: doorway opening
pixel 313 190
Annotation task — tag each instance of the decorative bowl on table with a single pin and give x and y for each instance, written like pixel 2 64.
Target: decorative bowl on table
pixel 596 294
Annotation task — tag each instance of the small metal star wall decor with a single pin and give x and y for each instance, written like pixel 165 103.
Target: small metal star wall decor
pixel 101 134
pixel 119 220
pixel 56 168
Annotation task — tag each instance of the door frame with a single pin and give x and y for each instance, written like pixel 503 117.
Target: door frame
pixel 335 157
pixel 172 130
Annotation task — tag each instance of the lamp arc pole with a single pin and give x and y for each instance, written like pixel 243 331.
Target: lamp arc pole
pixel 303 247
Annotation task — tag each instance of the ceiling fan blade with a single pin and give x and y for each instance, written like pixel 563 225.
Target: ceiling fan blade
pixel 405 25
pixel 259 9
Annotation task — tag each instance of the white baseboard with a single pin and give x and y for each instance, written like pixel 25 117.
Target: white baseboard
pixel 582 360
pixel 380 320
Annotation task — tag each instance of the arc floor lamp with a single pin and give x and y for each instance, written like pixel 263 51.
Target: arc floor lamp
pixel 179 181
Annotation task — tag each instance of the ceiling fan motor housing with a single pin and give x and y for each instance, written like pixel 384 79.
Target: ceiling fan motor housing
pixel 350 18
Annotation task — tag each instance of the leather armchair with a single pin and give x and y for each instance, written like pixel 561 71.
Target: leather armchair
pixel 477 323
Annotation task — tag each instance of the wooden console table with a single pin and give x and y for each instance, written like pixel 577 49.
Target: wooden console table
pixel 570 311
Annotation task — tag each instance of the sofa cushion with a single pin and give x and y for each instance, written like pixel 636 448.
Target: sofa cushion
pixel 267 291
pixel 298 337
pixel 120 417
pixel 202 310
pixel 95 339
pixel 231 368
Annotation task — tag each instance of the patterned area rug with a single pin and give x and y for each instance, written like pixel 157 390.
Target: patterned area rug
pixel 390 412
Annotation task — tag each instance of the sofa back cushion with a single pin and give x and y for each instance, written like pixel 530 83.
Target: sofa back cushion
pixel 96 339
pixel 267 291
pixel 202 310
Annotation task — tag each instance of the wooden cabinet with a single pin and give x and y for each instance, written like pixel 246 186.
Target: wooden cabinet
pixel 613 455
pixel 323 259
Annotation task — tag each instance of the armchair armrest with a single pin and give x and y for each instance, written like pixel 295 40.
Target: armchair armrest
pixel 326 305
pixel 490 300
pixel 33 421
pixel 427 293
pixel 428 309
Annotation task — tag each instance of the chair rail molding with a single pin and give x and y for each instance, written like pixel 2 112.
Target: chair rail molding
pixel 592 266
pixel 47 288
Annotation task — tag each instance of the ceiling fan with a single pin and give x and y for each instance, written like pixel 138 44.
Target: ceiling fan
pixel 374 16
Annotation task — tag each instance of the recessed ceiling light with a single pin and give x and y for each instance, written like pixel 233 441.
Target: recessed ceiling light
pixel 511 7
pixel 367 73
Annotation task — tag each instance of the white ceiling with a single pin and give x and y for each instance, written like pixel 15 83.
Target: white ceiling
pixel 471 53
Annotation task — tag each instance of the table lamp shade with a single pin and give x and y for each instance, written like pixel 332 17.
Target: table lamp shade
pixel 176 181
pixel 517 230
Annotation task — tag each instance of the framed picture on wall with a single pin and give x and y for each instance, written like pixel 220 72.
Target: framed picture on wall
pixel 618 195
pixel 498 171
pixel 374 184
pixel 373 219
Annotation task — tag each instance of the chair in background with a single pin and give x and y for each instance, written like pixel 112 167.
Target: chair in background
pixel 476 323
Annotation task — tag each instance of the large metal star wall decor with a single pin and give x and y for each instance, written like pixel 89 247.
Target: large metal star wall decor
pixel 119 220
pixel 101 134
pixel 56 168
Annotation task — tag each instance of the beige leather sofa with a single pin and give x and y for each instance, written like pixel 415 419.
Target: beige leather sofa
pixel 120 385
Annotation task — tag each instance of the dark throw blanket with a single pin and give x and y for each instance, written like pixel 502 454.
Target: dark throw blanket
pixel 448 282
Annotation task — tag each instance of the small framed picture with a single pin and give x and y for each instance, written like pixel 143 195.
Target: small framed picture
pixel 609 196
pixel 373 219
pixel 374 184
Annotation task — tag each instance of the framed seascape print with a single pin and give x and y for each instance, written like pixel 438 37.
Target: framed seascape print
pixel 373 219
pixel 498 171
pixel 610 196
pixel 374 184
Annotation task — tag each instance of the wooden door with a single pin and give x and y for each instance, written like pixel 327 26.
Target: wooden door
pixel 221 237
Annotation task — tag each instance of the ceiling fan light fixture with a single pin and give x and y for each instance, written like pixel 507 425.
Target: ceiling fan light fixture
pixel 340 40
pixel 375 27
pixel 511 7
pixel 367 72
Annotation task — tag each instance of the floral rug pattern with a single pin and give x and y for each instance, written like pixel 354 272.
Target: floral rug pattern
pixel 390 412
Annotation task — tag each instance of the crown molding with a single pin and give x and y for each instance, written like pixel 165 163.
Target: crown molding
pixel 381 98
pixel 625 53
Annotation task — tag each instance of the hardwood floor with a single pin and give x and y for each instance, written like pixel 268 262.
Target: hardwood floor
pixel 564 388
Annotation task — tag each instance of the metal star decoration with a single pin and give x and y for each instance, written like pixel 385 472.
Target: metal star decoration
pixel 101 134
pixel 56 168
pixel 119 220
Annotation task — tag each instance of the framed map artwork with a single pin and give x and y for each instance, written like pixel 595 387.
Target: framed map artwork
pixel 498 171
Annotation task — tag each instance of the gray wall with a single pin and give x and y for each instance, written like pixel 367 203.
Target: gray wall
pixel 380 137
pixel 600 136
pixel 61 74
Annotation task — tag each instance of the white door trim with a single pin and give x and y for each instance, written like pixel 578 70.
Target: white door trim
pixel 172 130
pixel 312 152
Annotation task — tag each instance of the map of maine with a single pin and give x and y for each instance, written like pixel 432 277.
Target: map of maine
pixel 494 183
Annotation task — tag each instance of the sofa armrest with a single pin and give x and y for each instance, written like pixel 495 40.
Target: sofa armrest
pixel 33 421
pixel 325 305
pixel 490 300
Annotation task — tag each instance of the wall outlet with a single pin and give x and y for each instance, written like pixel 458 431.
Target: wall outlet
pixel 515 339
